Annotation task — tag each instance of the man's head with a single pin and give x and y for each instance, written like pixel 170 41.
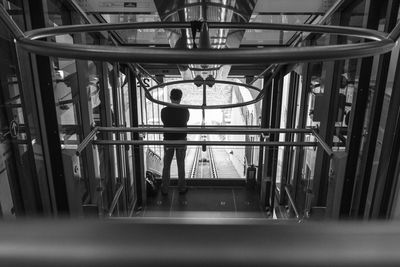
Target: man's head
pixel 176 96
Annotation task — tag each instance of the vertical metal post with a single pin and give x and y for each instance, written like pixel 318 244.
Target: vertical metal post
pixel 204 104
pixel 290 116
pixel 327 123
pixel 370 146
pixel 299 158
pixel 381 184
pixel 86 121
pixel 138 155
pixel 34 178
pixel 108 159
pixel 335 184
pixel 48 117
pixel 276 124
pixel 117 117
pixel 265 120
pixel 356 129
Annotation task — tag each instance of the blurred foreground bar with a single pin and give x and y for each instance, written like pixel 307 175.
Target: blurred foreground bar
pixel 197 242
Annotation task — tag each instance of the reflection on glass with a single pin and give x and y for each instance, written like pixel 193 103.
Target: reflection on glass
pixel 139 36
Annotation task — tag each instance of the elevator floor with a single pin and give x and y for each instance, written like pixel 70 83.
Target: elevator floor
pixel 209 202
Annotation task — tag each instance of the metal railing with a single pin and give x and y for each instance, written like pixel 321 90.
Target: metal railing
pixel 292 203
pixel 380 43
pixel 191 130
pixel 193 169
pixel 213 167
pixel 115 200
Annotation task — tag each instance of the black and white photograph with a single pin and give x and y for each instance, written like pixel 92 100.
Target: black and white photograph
pixel 199 133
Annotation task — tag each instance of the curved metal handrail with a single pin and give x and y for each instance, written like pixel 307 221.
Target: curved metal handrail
pixel 207 56
pixel 152 99
pixel 203 82
pixel 340 30
pixel 380 44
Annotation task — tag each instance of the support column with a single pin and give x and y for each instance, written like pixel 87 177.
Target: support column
pixel 358 110
pixel 48 117
pixel 138 160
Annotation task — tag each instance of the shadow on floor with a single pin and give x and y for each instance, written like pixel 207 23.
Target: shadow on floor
pixel 199 202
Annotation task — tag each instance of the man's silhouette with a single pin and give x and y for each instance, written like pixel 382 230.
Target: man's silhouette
pixel 174 117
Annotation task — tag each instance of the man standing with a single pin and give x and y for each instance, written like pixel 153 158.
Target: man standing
pixel 174 117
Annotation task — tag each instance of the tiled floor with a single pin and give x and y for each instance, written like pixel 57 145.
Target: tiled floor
pixel 215 202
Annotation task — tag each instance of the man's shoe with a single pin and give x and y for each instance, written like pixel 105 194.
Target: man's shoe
pixel 183 191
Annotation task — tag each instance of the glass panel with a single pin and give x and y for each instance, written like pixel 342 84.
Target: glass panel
pixel 385 109
pixel 18 166
pixel 270 37
pixel 139 36
pixel 16 10
pixel 348 78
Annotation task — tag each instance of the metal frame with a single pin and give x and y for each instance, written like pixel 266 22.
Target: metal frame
pixel 115 199
pixel 221 130
pixel 204 83
pixel 366 163
pixel 380 43
pixel 266 190
pixel 265 116
pixel 28 182
pixel 277 112
pixel 204 106
pixel 290 117
pixel 48 120
pixel 291 202
pixel 381 183
pixel 137 151
pixel 296 181
pixel 358 110
pixel 199 143
pixel 325 132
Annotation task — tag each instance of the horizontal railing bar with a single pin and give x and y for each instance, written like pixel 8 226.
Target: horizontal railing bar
pixel 199 143
pixel 324 145
pixel 224 130
pixel 207 126
pixel 86 141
